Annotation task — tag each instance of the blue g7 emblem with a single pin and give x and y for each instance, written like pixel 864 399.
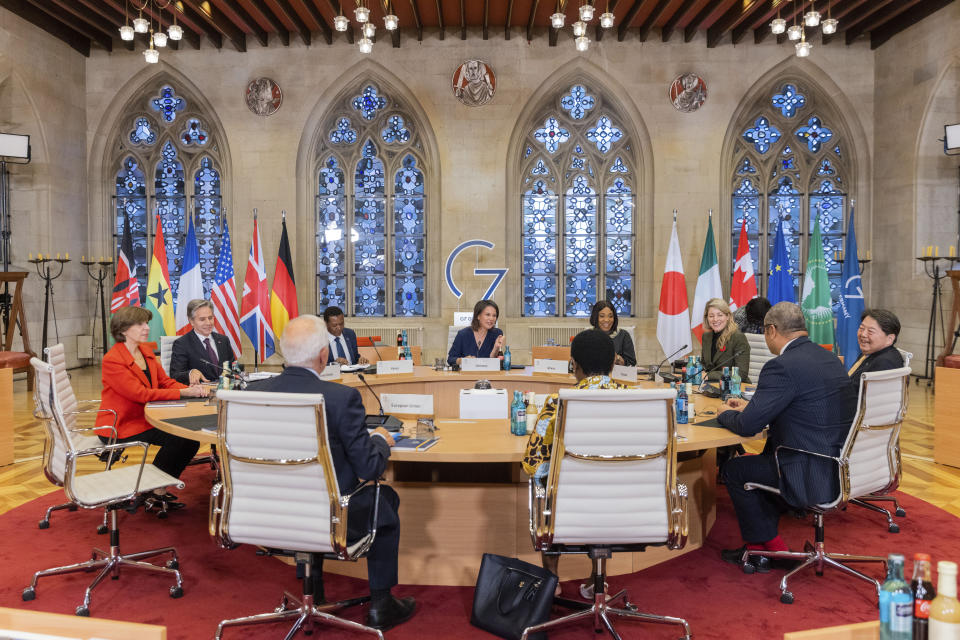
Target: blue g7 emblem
pixel 499 273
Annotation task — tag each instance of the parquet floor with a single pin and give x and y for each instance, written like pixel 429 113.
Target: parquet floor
pixel 23 481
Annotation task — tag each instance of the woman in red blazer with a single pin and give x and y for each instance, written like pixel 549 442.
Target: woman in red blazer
pixel 132 377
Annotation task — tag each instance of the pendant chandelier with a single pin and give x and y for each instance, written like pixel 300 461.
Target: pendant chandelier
pixel 157 39
pixel 797 31
pixel 367 29
pixel 585 14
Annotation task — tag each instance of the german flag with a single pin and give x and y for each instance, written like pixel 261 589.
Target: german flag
pixel 283 297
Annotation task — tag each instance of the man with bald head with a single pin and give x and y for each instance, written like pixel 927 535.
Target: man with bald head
pixel 356 454
pixel 805 396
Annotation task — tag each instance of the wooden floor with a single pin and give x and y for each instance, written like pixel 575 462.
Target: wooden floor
pixel 23 481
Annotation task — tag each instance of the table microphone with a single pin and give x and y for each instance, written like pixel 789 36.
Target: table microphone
pixel 669 377
pixel 390 423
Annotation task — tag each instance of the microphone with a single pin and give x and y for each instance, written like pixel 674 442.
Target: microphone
pixel 390 423
pixel 230 374
pixel 669 377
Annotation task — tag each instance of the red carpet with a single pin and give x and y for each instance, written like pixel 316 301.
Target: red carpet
pixel 716 598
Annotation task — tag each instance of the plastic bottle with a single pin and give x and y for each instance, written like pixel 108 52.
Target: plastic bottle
pixel 682 417
pixel 521 415
pixel 725 384
pixel 403 337
pixel 399 338
pixel 407 355
pixel 923 593
pixel 506 358
pixel 944 609
pixel 224 377
pixel 532 412
pixel 896 602
pixel 698 378
pixel 691 411
pixel 735 391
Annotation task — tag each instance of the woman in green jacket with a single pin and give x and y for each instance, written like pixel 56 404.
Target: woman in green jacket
pixel 723 344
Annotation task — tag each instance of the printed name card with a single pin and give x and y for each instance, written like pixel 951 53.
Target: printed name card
pixel 624 374
pixel 481 364
pixel 550 366
pixel 484 404
pixel 412 404
pixel 462 318
pixel 331 372
pixel 394 366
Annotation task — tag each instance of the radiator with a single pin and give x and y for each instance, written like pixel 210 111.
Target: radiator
pixel 388 335
pixel 561 335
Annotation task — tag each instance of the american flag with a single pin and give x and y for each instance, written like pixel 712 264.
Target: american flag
pixel 255 301
pixel 224 294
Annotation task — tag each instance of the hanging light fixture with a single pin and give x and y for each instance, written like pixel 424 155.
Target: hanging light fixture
pixel 151 55
pixel 829 25
pixel 558 18
pixel 586 12
pixel 795 32
pixel 361 13
pixel 368 29
pixel 583 43
pixel 140 25
pixel 366 45
pixel 579 28
pixel 390 20
pixel 803 47
pixel 341 23
pixel 778 25
pixel 606 18
pixel 811 18
pixel 126 31
pixel 175 31
pixel 160 39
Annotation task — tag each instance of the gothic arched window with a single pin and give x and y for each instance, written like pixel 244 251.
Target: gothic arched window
pixel 371 208
pixel 790 164
pixel 577 207
pixel 167 163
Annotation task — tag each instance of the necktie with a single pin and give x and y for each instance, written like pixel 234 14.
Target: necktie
pixel 211 354
pixel 342 345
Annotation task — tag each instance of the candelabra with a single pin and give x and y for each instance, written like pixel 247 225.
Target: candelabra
pixel 43 270
pixel 931 267
pixel 102 268
pixel 861 262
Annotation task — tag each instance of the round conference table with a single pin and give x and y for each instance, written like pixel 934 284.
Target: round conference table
pixel 467 494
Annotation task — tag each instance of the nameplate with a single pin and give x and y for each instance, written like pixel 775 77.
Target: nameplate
pixel 407 403
pixel 551 366
pixel 462 318
pixel 483 404
pixel 624 374
pixel 394 366
pixel 480 364
pixel 330 372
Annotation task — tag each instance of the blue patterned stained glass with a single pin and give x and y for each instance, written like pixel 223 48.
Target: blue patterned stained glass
pixel 368 102
pixel 527 151
pixel 331 243
pixel 142 132
pixel 788 101
pixel 331 293
pixel 194 134
pixel 762 135
pixel 784 203
pixel 619 292
pixel 619 214
pixel 745 167
pixel 552 135
pixel 168 103
pixel 577 163
pixel 540 254
pixel 343 132
pixel 369 243
pixel 539 296
pixel 171 205
pixel 619 186
pixel 540 169
pixel 580 292
pixel 836 150
pixel 619 252
pixel 131 202
pixel 369 298
pixel 578 102
pixel 618 166
pixel 409 300
pixel 409 240
pixel 208 213
pixel 604 134
pixel 396 131
pixel 814 133
pixel 539 229
pixel 826 168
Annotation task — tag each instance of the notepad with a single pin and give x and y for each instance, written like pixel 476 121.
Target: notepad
pixel 416 444
pixel 166 403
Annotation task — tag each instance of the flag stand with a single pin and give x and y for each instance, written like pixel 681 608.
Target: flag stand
pixel 100 276
pixel 936 303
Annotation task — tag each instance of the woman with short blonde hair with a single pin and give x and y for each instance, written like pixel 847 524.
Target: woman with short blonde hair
pixel 723 344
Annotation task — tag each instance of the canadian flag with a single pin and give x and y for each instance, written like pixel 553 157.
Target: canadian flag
pixel 744 286
pixel 673 320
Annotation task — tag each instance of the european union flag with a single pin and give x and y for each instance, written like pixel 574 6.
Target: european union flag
pixel 780 282
pixel 851 299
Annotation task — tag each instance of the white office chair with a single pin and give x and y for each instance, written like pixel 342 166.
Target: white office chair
pixel 166 351
pixel 869 462
pixel 759 354
pixel 82 437
pixel 611 487
pixel 280 492
pixel 114 489
pixel 907 356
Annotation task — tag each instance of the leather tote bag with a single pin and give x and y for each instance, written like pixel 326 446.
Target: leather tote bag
pixel 512 595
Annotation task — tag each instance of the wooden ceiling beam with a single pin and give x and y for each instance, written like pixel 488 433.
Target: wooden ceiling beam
pixel 908 19
pixel 611 7
pixel 742 29
pixel 92 34
pixel 200 18
pixel 486 19
pixel 763 31
pixel 114 18
pixel 281 30
pixel 694 25
pixel 57 29
pixel 506 25
pixel 296 20
pixel 675 19
pixel 337 8
pixel 651 19
pixel 443 27
pixel 91 18
pixel 839 12
pixel 627 19
pixel 735 15
pixel 191 33
pixel 219 23
pixel 463 20
pixel 859 25
pixel 324 27
pixel 258 32
pixel 417 19
pixel 533 14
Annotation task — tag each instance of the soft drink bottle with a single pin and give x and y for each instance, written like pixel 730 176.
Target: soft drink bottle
pixel 923 593
pixel 945 610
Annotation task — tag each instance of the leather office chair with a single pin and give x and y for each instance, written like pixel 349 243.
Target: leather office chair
pixel 82 437
pixel 280 492
pixel 611 487
pixel 114 489
pixel 759 354
pixel 166 351
pixel 869 462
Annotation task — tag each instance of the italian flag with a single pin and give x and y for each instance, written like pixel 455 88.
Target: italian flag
pixel 708 282
pixel 159 297
pixel 673 319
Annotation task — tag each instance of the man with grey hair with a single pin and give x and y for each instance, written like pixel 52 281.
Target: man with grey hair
pixel 197 355
pixel 805 396
pixel 356 454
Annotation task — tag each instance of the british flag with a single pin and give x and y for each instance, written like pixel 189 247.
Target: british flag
pixel 224 294
pixel 255 303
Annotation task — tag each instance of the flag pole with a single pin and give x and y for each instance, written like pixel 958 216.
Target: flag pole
pixel 674 216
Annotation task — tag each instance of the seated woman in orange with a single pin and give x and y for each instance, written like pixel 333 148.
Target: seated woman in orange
pixel 132 377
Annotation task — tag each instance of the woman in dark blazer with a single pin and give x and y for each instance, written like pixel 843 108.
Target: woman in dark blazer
pixel 481 339
pixel 723 344
pixel 132 377
pixel 604 317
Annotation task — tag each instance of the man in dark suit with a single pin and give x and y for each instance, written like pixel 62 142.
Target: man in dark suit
pixel 356 454
pixel 806 398
pixel 343 341
pixel 877 337
pixel 198 354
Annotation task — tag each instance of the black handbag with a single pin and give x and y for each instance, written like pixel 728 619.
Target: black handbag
pixel 512 595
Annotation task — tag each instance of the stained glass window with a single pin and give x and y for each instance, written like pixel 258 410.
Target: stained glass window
pixel 577 209
pixel 171 168
pixel 796 178
pixel 371 255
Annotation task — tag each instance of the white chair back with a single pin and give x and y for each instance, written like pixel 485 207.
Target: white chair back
pixel 279 481
pixel 408 404
pixel 613 466
pixel 166 351
pixel 452 332
pixel 759 354
pixel 46 395
pixel 68 400
pixel 873 445
pixel 907 356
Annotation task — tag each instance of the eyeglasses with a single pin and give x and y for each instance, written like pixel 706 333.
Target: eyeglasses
pixel 767 326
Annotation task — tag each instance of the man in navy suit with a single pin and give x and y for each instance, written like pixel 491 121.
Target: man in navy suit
pixel 356 454
pixel 198 354
pixel 343 341
pixel 876 337
pixel 805 396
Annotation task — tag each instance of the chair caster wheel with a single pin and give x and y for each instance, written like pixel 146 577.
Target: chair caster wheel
pixel 102 529
pixel 901 513
pixel 43 524
pixel 173 564
pixel 819 573
pixel 749 568
pixel 162 515
pixel 28 594
pixel 176 592
pixel 83 611
pixel 72 507
pixel 786 597
pixel 894 528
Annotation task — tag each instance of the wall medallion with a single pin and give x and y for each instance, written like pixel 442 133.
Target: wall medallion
pixel 474 83
pixel 263 96
pixel 688 92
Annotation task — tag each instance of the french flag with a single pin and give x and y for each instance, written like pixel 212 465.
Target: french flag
pixel 191 282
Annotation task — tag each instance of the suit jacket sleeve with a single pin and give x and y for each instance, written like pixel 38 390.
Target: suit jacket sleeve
pixel 224 348
pixel 352 345
pixel 367 455
pixel 122 380
pixel 457 350
pixel 627 351
pixel 180 361
pixel 774 392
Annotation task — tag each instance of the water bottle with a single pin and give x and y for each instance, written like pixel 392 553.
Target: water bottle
pixel 896 602
pixel 725 384
pixel 404 338
pixel 506 358
pixel 698 379
pixel 407 355
pixel 521 415
pixel 735 382
pixel 224 377
pixel 682 404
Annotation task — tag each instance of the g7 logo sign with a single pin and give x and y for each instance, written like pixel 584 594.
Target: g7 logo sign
pixel 499 273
